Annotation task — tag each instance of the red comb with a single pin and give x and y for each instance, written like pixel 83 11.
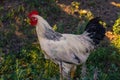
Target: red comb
pixel 34 12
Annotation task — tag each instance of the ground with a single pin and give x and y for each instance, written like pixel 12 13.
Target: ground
pixel 20 53
pixel 108 10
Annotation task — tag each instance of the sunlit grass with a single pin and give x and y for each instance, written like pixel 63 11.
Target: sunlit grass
pixel 115 4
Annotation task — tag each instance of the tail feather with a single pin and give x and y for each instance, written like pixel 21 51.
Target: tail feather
pixel 96 30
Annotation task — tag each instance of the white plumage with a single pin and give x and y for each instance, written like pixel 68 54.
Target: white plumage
pixel 68 50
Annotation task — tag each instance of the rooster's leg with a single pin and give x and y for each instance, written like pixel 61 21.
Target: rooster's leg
pixel 83 71
pixel 95 76
pixel 72 72
pixel 61 71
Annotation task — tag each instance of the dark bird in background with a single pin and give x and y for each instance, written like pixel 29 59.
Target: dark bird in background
pixel 67 50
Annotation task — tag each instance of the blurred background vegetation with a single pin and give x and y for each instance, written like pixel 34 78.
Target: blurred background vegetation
pixel 20 55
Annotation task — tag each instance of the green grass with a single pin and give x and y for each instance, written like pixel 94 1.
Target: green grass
pixel 21 57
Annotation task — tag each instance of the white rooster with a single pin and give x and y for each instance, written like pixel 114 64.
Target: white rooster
pixel 67 50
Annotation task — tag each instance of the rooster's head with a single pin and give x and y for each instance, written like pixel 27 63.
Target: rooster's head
pixel 33 20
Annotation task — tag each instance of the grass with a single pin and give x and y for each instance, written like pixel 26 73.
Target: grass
pixel 21 57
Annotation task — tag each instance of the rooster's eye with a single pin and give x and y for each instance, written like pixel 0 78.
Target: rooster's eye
pixel 33 19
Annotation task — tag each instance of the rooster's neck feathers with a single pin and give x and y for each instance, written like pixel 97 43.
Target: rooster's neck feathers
pixel 44 30
pixel 52 35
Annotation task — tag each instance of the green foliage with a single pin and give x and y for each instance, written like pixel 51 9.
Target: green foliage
pixel 28 64
pixel 116 42
pixel 116 26
pixel 116 31
pixel 104 59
